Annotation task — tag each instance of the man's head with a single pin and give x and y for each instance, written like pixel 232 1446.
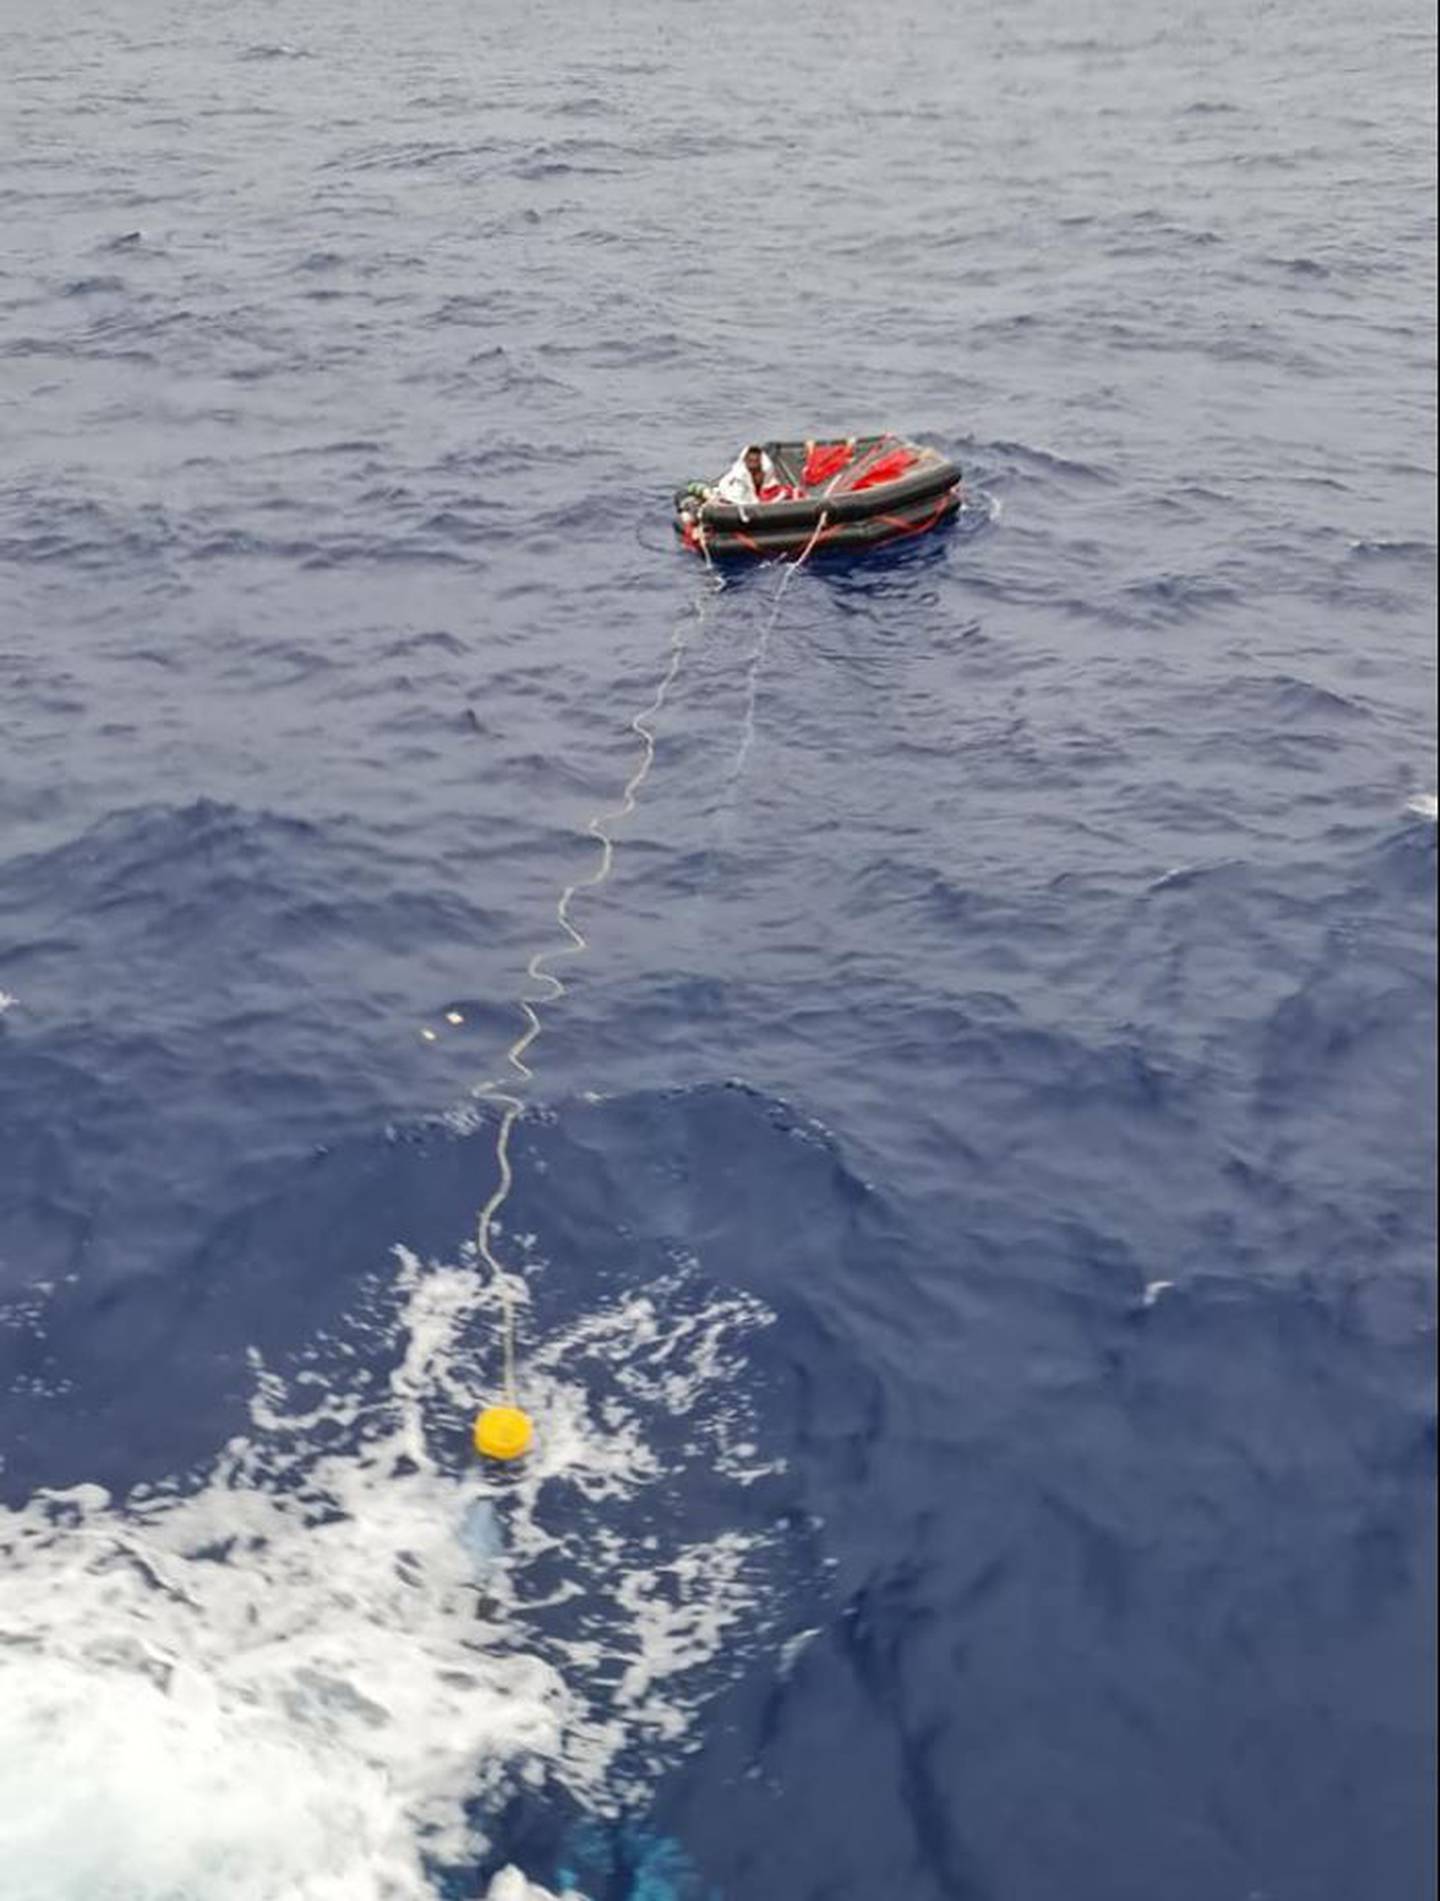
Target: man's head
pixel 755 460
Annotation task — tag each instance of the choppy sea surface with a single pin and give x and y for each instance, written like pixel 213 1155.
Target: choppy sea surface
pixel 975 1201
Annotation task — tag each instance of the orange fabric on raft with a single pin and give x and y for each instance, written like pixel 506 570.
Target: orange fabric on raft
pixel 824 460
pixel 887 469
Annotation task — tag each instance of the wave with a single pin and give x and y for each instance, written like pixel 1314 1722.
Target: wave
pixel 264 51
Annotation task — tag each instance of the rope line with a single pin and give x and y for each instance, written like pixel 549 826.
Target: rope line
pixel 762 648
pixel 507 1285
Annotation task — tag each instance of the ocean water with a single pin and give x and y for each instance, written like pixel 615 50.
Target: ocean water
pixel 973 1218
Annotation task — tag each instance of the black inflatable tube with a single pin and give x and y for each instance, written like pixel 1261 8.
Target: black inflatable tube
pixel 933 479
pixel 894 525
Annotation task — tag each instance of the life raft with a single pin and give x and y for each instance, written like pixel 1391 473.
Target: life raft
pixel 857 493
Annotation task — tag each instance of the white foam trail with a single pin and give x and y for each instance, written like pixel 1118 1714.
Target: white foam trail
pixel 1423 805
pixel 280 1681
pixel 511 1885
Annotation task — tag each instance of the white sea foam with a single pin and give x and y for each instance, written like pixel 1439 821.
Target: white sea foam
pixel 1423 804
pixel 280 1681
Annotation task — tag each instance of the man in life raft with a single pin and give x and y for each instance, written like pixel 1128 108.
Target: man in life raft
pixel 751 479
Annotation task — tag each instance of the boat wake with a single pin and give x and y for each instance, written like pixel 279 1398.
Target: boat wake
pixel 313 1670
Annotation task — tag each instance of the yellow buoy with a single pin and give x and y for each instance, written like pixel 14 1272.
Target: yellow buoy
pixel 503 1432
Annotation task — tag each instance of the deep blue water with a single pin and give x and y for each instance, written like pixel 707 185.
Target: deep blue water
pixel 978 1195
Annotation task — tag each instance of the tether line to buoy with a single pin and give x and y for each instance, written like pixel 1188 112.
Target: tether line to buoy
pixel 504 1431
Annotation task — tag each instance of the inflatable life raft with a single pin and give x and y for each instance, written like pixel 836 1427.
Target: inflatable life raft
pixel 852 494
